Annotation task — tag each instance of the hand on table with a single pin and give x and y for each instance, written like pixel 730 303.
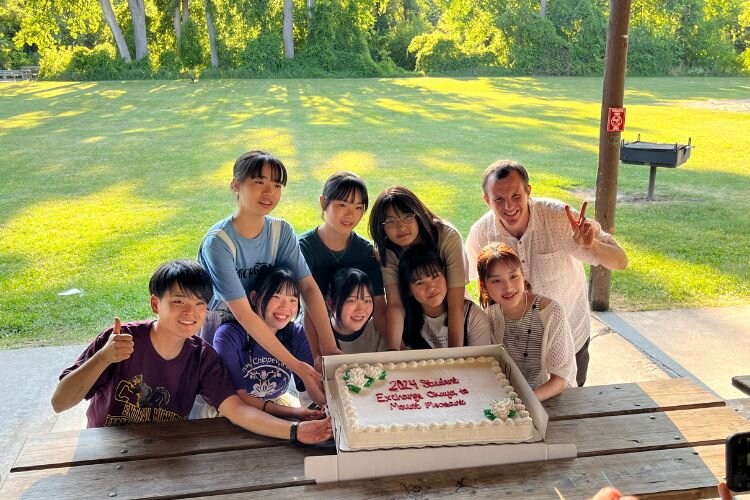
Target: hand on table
pixel 583 230
pixel 303 413
pixel 119 346
pixel 315 431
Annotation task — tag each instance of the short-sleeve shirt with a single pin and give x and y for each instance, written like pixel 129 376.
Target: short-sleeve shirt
pixel 550 259
pixel 232 278
pixel 476 325
pixel 323 262
pixel 451 250
pixel 366 340
pixel 148 388
pixel 254 369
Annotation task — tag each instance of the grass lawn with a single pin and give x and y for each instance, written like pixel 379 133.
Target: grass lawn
pixel 101 182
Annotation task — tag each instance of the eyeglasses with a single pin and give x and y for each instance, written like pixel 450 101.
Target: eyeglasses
pixel 405 219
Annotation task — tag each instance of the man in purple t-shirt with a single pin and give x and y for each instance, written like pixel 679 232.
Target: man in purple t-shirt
pixel 151 371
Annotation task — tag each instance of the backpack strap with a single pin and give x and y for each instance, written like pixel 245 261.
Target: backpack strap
pixel 466 324
pixel 223 236
pixel 275 238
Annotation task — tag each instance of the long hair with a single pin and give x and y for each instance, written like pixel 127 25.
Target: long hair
pixel 415 263
pixel 344 283
pixel 405 201
pixel 270 281
pixel 491 253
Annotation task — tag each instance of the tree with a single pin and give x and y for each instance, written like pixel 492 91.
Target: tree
pixel 288 31
pixel 114 27
pixel 211 35
pixel 191 53
pixel 138 15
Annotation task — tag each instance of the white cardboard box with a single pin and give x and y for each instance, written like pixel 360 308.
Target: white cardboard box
pixel 363 464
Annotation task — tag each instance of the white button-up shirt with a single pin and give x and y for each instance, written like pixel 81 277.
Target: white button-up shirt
pixel 550 259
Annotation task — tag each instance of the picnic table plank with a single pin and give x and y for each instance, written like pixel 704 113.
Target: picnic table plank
pixel 678 474
pixel 741 406
pixel 647 431
pixel 742 382
pixel 623 399
pixel 135 442
pixel 207 473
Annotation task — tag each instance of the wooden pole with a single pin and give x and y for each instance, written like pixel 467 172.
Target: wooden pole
pixel 609 142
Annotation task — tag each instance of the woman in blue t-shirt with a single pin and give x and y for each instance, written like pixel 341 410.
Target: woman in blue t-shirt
pixel 258 376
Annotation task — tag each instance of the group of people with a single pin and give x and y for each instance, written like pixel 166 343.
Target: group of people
pixel 406 289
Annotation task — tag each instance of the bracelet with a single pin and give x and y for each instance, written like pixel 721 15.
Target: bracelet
pixel 265 403
pixel 293 433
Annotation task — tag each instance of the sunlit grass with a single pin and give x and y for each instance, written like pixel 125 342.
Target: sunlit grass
pixel 104 181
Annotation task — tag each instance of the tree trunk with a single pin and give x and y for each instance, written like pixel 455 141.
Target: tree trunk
pixel 109 15
pixel 185 11
pixel 310 7
pixel 211 36
pixel 543 8
pixel 177 23
pixel 138 14
pixel 288 30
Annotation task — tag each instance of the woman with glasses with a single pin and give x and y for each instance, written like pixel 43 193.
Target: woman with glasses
pixel 398 221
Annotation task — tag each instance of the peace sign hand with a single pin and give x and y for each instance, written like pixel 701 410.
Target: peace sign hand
pixel 583 230
pixel 119 346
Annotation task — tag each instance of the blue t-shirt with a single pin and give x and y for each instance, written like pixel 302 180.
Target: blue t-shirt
pixel 232 279
pixel 253 368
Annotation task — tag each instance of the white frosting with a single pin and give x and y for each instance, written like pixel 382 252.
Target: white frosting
pixel 431 402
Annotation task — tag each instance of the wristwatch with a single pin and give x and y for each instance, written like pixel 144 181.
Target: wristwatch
pixel 293 433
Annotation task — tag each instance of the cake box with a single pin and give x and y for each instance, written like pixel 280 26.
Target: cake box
pixel 349 464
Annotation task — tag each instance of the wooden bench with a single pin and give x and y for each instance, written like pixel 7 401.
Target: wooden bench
pixel 11 74
pixel 661 439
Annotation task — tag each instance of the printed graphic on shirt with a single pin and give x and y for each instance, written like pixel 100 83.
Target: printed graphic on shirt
pixel 244 273
pixel 141 403
pixel 267 377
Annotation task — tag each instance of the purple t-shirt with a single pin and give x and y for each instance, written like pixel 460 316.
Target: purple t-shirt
pixel 253 368
pixel 148 388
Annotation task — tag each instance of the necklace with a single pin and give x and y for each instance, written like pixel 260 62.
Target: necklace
pixel 530 313
pixel 341 253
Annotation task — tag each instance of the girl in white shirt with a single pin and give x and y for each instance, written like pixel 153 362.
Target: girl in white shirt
pixel 423 285
pixel 533 328
pixel 350 304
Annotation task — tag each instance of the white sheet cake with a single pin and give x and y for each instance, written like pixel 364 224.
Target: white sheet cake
pixel 431 402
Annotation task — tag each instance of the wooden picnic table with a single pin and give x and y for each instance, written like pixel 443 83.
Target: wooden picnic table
pixel 660 439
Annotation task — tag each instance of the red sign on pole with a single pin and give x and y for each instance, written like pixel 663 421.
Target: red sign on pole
pixel 616 120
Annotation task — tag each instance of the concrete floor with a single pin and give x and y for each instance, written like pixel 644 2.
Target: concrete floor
pixel 708 345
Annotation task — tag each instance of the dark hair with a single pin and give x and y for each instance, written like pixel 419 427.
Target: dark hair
pixel 488 255
pixel 187 275
pixel 406 202
pixel 502 169
pixel 416 262
pixel 344 186
pixel 344 283
pixel 269 281
pixel 250 166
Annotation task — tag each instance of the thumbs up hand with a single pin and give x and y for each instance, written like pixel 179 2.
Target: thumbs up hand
pixel 119 346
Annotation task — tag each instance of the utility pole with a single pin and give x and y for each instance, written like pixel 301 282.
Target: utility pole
pixel 611 125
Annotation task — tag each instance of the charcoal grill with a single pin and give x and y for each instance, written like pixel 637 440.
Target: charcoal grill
pixel 654 155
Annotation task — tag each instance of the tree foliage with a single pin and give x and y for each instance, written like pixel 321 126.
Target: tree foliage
pixel 372 37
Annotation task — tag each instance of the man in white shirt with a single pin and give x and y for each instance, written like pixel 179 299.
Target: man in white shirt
pixel 551 240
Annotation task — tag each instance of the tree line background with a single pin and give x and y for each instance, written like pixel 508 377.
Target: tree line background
pixel 132 39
